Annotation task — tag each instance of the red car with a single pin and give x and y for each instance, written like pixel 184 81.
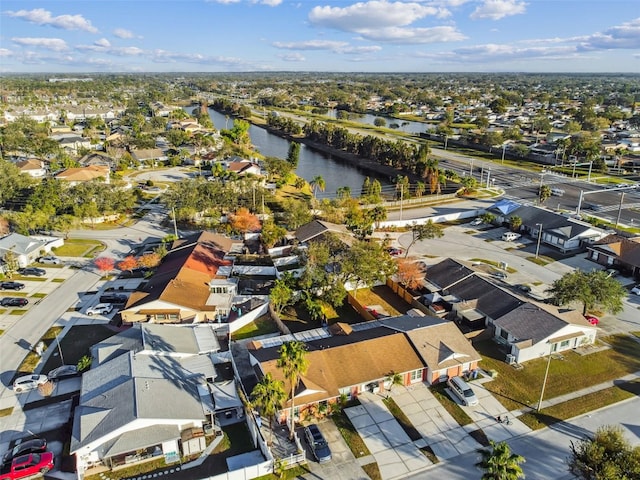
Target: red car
pixel 27 465
pixel 592 320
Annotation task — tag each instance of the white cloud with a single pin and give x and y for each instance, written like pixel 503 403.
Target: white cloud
pixel 270 3
pixel 310 45
pixel 40 16
pixel 4 52
pixel 497 9
pixel 625 36
pixel 224 2
pixel 370 15
pixel 55 44
pixel 123 33
pixel 499 53
pixel 414 35
pixel 103 42
pixel 360 50
pixel 292 57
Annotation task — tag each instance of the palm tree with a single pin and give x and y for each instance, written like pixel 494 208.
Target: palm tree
pixel 293 362
pixel 394 378
pixel 317 184
pixel 269 396
pixel 499 463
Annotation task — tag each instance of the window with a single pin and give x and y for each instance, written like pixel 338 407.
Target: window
pixel 564 344
pixel 594 255
pixel 504 334
pixel 219 289
pixel 416 375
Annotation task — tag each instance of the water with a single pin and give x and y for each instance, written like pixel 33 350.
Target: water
pixel 406 126
pixel 335 172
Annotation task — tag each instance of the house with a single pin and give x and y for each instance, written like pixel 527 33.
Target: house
pixel 534 330
pixel 149 155
pixel 558 231
pixel 73 176
pixel 99 159
pixel 442 275
pixel 317 229
pixel 33 167
pixel 616 251
pixel 72 142
pixel 352 359
pixel 28 249
pixel 192 284
pixel 244 167
pixel 151 392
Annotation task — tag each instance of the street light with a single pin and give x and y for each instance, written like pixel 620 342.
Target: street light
pixel 504 146
pixel 539 237
pixel 544 382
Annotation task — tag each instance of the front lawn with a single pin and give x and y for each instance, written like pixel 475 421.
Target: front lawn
pixel 517 388
pixel 77 247
pixel 449 405
pixel 385 298
pixel 261 326
pixel 350 435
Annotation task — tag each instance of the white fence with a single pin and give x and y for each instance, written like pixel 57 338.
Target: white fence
pixel 248 317
pixel 435 219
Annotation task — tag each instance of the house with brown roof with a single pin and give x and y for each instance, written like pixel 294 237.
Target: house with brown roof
pixel 33 167
pixel 73 176
pixel 191 285
pixel 243 167
pixel 151 155
pixel 98 158
pixel 348 360
pixel 616 251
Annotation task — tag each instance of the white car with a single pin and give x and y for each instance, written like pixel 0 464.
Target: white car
pixel 510 236
pixel 29 382
pixel 476 222
pixel 100 309
pixel 49 259
pixel 636 290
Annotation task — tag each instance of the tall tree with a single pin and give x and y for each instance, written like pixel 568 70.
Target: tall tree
pixel 592 289
pixel 104 264
pixel 499 463
pixel 410 274
pixel 294 154
pixel 545 193
pixel 269 396
pixel 424 231
pixel 294 362
pixel 606 455
pixel 281 295
pixel 317 183
pixel 366 263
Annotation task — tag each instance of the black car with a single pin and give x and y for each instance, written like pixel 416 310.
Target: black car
pixel 116 298
pixel 13 302
pixel 36 445
pixel 11 286
pixel 318 444
pixel 34 271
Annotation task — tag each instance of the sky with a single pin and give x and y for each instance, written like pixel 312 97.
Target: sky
pixel 572 36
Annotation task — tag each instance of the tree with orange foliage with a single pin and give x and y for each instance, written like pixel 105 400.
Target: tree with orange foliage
pixel 129 263
pixel 149 260
pixel 244 221
pixel 410 274
pixel 104 264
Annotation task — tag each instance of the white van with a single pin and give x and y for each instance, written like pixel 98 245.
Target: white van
pixel 463 391
pixel 510 236
pixel 558 192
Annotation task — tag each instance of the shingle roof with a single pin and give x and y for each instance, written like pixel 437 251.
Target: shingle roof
pixel 626 249
pixel 83 174
pixel 488 298
pixel 446 273
pixel 317 228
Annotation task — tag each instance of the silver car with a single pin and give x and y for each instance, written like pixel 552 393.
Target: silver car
pixel 29 382
pixel 49 260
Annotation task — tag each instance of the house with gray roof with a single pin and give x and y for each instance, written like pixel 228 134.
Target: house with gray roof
pixel 535 330
pixel 27 249
pixel 153 390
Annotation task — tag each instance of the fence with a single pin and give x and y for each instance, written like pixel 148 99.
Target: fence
pixel 248 317
pixel 435 219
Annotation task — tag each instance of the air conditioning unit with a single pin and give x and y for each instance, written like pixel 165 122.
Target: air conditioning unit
pixel 511 359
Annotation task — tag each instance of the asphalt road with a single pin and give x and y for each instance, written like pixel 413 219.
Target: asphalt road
pixel 546 451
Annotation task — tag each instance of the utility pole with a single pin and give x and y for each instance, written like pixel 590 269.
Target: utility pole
pixel 539 238
pixel 544 382
pixel 619 209
pixel 401 198
pixel 175 225
pixel 488 177
pixel 504 146
pixel 589 176
pixel 59 349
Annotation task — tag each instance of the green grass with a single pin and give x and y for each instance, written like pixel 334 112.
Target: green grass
pixel 58 280
pixel 30 279
pixel 76 247
pixel 5 412
pixel 578 406
pixel 450 406
pixel 30 362
pixel 518 388
pixel 372 470
pixel 38 295
pixel 541 260
pixel 18 311
pixel 492 263
pixel 295 472
pixel 261 326
pixel 350 435
pixel 402 419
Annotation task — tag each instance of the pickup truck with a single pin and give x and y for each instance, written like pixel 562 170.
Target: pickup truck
pixel 27 466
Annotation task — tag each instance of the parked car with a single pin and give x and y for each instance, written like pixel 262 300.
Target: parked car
pixel 476 222
pixel 636 290
pixel 11 286
pixel 592 319
pixel 318 444
pixel 612 272
pixel 32 271
pixel 116 298
pixel 29 382
pixel 523 288
pixel 62 372
pixel 462 390
pixel 49 259
pixel 510 236
pixel 139 272
pixel 14 302
pixel 27 466
pixel 100 309
pixel 501 275
pixel 394 251
pixel 35 445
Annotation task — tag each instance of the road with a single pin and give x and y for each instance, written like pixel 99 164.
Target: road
pixel 523 185
pixel 546 451
pixel 18 340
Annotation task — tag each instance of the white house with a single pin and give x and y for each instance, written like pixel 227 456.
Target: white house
pixel 27 249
